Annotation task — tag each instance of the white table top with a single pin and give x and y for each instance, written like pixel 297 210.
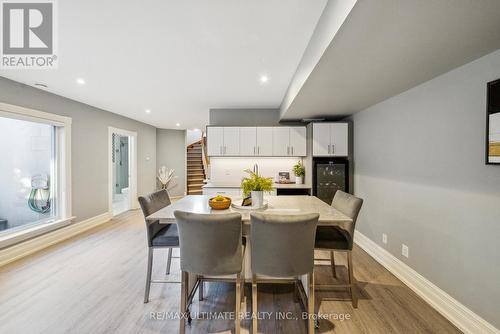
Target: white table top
pixel 283 205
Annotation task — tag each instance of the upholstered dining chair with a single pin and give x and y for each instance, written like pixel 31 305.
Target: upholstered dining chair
pixel 340 238
pixel 283 248
pixel 212 249
pixel 158 235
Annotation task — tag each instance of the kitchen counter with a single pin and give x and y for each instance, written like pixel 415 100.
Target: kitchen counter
pixel 275 185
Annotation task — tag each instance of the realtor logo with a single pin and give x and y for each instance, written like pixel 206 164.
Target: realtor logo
pixel 28 34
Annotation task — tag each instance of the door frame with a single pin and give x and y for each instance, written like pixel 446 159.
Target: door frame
pixel 132 165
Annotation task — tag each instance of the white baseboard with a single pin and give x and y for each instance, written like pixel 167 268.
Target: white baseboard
pixel 457 313
pixel 30 246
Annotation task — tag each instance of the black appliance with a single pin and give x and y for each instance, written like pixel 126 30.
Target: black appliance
pixel 330 175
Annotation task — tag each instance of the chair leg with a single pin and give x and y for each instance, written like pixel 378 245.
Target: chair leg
pixel 237 316
pixel 183 313
pixel 169 261
pixel 352 280
pixel 254 304
pixel 148 275
pixel 332 263
pixel 310 305
pixel 200 290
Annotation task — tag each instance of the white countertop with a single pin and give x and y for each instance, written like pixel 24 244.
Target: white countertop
pixel 275 185
pixel 281 205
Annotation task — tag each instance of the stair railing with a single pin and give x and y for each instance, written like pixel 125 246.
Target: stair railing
pixel 204 156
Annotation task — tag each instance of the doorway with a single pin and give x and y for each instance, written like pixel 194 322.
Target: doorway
pixel 122 175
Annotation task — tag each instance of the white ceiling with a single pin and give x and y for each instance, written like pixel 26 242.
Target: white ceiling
pixel 385 47
pixel 177 58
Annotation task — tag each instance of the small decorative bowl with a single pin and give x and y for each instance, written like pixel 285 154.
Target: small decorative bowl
pixel 220 205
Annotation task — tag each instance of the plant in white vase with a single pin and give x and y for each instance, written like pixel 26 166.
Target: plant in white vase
pixel 299 171
pixel 255 186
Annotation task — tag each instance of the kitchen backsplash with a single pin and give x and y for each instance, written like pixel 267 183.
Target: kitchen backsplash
pixel 231 169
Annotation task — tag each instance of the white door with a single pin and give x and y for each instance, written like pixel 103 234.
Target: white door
pixel 340 139
pixel 215 141
pixel 281 141
pixel 248 141
pixel 231 141
pixel 298 146
pixel 321 139
pixel 265 141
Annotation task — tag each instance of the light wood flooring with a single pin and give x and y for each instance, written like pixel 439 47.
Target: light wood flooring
pixel 94 283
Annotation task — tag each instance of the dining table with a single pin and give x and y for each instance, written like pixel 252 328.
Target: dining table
pixel 275 205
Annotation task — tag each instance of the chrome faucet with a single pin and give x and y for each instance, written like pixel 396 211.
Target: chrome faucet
pixel 256 169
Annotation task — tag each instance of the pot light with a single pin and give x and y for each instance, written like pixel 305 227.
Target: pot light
pixel 148 111
pixel 264 79
pixel 177 124
pixel 196 129
pixel 80 81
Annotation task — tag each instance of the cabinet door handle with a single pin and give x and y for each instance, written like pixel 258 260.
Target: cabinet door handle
pixel 254 150
pixel 292 150
pixel 328 148
pixel 220 150
pixel 258 150
pixel 225 150
pixel 288 150
pixel 333 149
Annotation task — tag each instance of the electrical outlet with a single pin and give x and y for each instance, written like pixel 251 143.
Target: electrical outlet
pixel 405 250
pixel 384 238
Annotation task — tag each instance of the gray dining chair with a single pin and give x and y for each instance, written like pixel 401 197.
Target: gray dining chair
pixel 340 238
pixel 212 249
pixel 283 248
pixel 158 235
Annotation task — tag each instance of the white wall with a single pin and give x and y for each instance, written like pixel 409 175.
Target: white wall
pixel 230 170
pixel 192 136
pixel 26 151
pixel 419 165
pixel 171 152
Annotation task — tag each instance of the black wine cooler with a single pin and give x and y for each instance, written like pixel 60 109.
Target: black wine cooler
pixel 329 175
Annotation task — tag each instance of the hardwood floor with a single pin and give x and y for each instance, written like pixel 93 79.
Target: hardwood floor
pixel 94 283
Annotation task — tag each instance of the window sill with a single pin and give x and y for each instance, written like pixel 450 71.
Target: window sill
pixel 13 238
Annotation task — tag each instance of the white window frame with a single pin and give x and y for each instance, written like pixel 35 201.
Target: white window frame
pixel 62 171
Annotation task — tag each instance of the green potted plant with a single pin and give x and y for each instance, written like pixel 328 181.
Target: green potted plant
pixel 299 171
pixel 255 185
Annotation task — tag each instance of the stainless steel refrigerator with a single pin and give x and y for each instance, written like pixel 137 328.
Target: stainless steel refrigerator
pixel 330 175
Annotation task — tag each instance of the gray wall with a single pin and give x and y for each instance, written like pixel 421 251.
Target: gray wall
pixel 244 117
pixel 420 168
pixel 171 152
pixel 89 145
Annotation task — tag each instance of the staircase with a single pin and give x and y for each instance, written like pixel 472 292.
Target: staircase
pixel 195 171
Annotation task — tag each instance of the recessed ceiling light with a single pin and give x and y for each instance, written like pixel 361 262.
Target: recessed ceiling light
pixel 177 124
pixel 264 79
pixel 80 81
pixel 148 111
pixel 196 129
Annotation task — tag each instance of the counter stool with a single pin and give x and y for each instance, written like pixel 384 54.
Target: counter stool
pixel 212 249
pixel 283 247
pixel 340 238
pixel 158 235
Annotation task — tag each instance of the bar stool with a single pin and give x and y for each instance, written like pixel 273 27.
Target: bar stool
pixel 212 249
pixel 283 247
pixel 158 235
pixel 340 238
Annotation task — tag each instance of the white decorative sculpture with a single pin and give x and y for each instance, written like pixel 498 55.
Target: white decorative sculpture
pixel 165 176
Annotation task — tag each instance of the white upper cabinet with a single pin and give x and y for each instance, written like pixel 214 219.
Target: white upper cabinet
pixel 298 141
pixel 280 141
pixel 223 141
pixel 231 141
pixel 265 141
pixel 248 141
pixel 340 139
pixel 330 139
pixel 289 141
pixel 215 141
pixel 321 139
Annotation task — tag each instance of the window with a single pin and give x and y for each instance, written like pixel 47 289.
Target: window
pixel 34 173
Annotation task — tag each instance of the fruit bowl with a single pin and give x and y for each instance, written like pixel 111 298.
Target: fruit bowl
pixel 219 202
